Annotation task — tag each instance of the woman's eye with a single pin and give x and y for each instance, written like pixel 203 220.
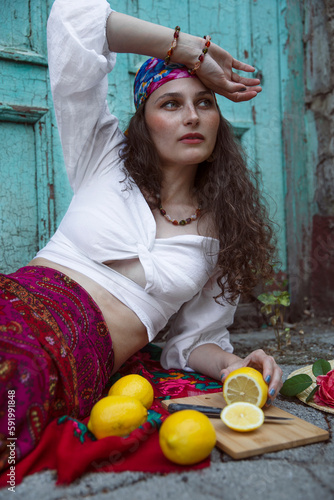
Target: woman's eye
pixel 205 103
pixel 170 105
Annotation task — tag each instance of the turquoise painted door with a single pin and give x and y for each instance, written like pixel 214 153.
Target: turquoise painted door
pixel 26 205
pixel 34 191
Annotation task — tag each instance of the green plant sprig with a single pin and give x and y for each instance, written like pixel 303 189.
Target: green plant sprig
pixel 273 306
pixel 298 383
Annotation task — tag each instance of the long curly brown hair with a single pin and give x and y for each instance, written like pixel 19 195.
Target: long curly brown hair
pixel 227 191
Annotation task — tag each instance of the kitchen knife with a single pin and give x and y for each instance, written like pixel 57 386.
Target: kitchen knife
pixel 212 412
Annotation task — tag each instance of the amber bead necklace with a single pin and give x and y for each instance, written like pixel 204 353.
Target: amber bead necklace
pixel 182 222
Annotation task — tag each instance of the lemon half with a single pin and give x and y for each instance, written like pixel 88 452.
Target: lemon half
pixel 242 417
pixel 135 386
pixel 247 385
pixel 187 437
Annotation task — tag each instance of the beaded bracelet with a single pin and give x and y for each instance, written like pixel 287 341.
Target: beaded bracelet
pixel 174 43
pixel 201 56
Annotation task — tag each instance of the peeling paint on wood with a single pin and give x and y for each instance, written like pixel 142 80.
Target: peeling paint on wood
pixel 17 113
pixel 23 56
pixel 24 133
pixel 254 115
pixel 295 153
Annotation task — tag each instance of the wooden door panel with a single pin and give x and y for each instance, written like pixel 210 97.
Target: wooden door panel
pixel 22 35
pixel 15 32
pixel 267 116
pixel 25 138
pixel 18 203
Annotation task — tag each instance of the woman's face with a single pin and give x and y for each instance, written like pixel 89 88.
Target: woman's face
pixel 183 119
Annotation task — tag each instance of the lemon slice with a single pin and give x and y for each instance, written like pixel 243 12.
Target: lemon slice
pixel 242 417
pixel 247 385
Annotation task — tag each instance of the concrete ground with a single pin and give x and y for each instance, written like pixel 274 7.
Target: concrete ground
pixel 303 473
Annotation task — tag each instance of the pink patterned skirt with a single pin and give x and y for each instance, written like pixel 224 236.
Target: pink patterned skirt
pixel 56 355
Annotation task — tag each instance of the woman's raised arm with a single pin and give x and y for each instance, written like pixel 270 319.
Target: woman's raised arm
pixel 132 35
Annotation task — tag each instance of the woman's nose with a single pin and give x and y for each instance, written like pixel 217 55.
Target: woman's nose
pixel 191 115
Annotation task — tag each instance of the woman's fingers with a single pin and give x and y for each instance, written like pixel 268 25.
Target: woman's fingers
pixel 235 91
pixel 242 66
pixel 231 368
pixel 272 373
pixel 217 74
pixel 249 82
pixel 275 384
pixel 240 96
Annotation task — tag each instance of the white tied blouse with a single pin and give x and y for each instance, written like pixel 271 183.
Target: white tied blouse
pixel 107 222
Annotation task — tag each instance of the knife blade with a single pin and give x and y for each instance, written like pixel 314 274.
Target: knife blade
pixel 212 412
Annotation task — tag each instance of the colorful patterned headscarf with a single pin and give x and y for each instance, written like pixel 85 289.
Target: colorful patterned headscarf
pixel 152 74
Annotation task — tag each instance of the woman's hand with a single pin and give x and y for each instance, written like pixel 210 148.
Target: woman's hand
pixel 216 73
pixel 272 374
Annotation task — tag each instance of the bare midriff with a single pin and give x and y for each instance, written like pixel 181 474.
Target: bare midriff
pixel 127 332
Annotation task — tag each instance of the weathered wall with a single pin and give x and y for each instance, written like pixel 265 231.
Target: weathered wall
pixel 319 97
pixel 306 37
pixel 295 140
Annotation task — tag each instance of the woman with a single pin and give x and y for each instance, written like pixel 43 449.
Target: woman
pixel 118 271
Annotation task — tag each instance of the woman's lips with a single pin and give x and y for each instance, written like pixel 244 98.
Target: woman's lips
pixel 192 138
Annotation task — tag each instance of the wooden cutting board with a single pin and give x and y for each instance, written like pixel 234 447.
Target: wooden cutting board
pixel 269 437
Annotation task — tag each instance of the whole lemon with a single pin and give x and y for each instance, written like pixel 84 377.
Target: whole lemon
pixel 135 386
pixel 187 437
pixel 116 416
pixel 245 385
